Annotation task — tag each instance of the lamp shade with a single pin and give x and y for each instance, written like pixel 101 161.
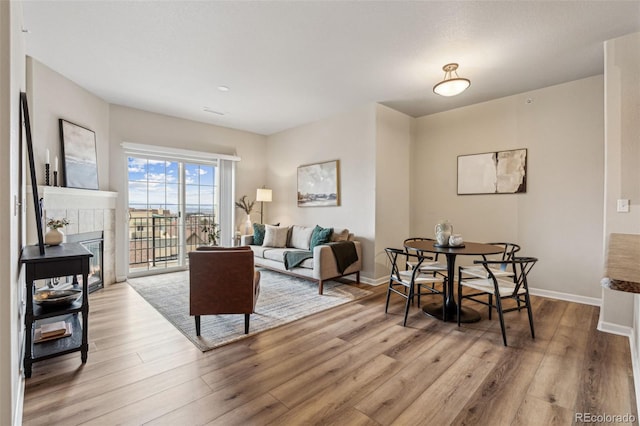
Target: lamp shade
pixel 451 85
pixel 263 195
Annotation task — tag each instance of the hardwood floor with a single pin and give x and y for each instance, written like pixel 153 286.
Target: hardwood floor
pixel 351 365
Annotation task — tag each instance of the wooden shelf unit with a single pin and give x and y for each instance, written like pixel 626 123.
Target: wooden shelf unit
pixel 65 260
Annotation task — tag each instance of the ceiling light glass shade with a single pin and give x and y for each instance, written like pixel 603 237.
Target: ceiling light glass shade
pixel 263 195
pixel 452 84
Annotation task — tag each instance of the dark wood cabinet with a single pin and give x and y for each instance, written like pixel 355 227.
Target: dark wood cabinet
pixel 71 259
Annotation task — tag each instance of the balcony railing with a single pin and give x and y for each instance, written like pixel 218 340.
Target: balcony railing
pixel 154 241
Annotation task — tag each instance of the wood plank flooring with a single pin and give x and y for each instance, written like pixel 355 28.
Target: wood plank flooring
pixel 351 365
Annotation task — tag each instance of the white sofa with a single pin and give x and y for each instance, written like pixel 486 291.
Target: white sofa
pixel 321 267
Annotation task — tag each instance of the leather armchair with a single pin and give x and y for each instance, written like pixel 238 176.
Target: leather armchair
pixel 222 280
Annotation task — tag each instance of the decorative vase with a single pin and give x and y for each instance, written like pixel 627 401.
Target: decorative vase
pixel 248 226
pixel 443 231
pixel 455 240
pixel 53 237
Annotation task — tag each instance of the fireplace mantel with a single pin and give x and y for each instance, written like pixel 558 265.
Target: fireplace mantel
pixel 56 197
pixel 86 210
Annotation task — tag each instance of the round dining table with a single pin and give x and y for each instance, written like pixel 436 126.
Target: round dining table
pixel 449 312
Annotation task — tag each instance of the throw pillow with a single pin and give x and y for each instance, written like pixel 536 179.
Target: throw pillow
pixel 300 237
pixel 319 236
pixel 258 234
pixel 275 236
pixel 340 235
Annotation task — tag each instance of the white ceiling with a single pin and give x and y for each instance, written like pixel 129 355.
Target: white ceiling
pixel 290 63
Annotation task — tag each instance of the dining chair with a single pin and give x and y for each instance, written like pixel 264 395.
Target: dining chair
pixel 430 266
pixel 499 270
pixel 404 282
pixel 500 288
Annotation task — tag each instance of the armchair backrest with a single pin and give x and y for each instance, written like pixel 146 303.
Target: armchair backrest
pixel 222 281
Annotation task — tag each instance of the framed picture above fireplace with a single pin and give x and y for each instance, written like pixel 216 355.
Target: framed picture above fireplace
pixel 79 162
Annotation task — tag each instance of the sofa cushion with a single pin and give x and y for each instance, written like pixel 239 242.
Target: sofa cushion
pixel 300 237
pixel 319 236
pixel 275 236
pixel 258 251
pixel 258 234
pixel 277 255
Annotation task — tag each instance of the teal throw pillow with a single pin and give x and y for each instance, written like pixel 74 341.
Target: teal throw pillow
pixel 258 234
pixel 319 236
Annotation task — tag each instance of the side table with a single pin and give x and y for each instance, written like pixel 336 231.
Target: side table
pixel 57 261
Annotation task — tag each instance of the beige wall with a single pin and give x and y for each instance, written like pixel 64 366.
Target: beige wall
pixel 622 172
pixel 12 218
pixel 137 126
pixel 559 219
pixel 348 137
pixel 55 97
pixel 392 165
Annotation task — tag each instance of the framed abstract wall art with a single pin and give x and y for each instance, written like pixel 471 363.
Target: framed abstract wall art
pixel 319 184
pixel 79 163
pixel 501 172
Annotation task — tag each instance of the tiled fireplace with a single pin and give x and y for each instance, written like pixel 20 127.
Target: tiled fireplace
pixel 90 213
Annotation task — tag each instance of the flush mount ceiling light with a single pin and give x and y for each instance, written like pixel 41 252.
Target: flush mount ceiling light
pixel 452 84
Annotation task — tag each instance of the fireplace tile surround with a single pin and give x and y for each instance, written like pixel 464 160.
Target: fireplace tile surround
pixel 87 211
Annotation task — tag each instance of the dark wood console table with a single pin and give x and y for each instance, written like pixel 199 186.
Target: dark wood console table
pixel 57 261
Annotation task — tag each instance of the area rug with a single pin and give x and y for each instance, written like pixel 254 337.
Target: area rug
pixel 282 299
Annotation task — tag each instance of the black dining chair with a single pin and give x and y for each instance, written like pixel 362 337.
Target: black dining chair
pixel 478 271
pixel 497 288
pixel 408 283
pixel 430 266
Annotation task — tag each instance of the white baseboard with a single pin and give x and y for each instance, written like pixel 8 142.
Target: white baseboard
pixel 566 296
pixel 621 330
pixel 374 281
pixel 635 363
pixel 20 401
pixel 534 291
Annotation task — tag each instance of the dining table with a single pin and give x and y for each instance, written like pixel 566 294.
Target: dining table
pixel 448 310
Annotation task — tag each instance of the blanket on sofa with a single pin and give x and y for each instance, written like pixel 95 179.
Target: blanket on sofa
pixel 293 259
pixel 344 252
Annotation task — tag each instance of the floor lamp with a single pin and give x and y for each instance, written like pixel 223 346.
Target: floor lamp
pixel 264 196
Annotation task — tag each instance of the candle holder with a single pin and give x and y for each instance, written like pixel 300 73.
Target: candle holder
pixel 55 178
pixel 46 174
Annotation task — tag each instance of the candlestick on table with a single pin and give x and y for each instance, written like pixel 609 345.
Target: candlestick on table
pixel 46 174
pixel 55 178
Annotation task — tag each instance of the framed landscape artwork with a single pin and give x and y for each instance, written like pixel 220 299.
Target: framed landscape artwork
pixel 501 172
pixel 79 164
pixel 319 184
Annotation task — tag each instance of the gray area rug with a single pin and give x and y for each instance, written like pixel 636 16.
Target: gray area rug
pixel 282 299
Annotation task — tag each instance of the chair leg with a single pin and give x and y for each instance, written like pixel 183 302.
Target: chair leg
pixel 320 286
pixel 459 308
pixel 528 303
pixel 501 316
pixel 246 323
pixel 386 306
pixel 197 318
pixel 490 305
pixel 406 307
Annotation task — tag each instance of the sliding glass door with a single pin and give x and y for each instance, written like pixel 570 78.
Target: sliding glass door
pixel 173 206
